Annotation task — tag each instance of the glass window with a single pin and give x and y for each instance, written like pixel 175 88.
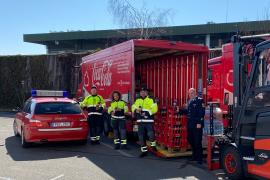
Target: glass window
pixel 57 108
pixel 210 76
pixel 27 107
pixel 263 69
pixel 262 79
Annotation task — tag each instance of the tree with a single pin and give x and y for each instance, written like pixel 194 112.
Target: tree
pixel 139 22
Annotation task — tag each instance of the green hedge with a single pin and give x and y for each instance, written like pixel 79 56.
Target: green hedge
pixel 20 74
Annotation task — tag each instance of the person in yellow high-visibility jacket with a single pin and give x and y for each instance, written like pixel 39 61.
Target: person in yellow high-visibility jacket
pixel 117 110
pixel 94 104
pixel 144 109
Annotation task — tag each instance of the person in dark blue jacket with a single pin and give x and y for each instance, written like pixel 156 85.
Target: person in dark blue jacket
pixel 195 112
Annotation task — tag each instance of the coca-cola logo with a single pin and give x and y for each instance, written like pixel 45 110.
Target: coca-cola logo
pixel 101 75
pixel 86 79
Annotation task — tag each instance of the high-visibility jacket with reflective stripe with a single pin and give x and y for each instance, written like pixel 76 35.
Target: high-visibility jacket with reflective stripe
pixel 118 105
pixel 91 102
pixel 149 108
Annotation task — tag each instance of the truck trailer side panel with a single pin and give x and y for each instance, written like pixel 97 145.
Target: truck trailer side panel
pixel 109 70
pixel 169 69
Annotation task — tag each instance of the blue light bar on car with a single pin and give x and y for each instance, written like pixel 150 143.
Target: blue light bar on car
pixel 48 93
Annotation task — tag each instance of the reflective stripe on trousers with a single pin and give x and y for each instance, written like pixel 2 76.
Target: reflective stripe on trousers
pixel 116 141
pixel 123 141
pixel 153 144
pixel 144 149
pixel 93 138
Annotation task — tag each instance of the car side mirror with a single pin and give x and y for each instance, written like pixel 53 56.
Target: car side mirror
pixel 18 109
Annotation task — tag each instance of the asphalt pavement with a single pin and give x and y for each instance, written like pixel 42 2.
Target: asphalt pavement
pixel 70 161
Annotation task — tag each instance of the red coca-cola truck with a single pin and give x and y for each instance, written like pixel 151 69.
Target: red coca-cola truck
pixel 167 68
pixel 220 79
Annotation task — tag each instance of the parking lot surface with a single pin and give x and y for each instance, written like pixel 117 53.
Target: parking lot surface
pixel 72 161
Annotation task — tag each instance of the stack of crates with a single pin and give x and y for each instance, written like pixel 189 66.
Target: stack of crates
pixel 171 131
pixel 160 123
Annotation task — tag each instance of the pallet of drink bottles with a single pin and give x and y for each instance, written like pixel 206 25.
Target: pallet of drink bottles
pixel 171 134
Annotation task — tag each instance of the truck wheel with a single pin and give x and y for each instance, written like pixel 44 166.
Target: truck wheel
pixel 232 163
pixel 23 142
pixel 15 129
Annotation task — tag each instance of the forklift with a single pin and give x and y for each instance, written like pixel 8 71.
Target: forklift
pixel 244 148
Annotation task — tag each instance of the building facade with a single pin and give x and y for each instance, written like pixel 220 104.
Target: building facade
pixel 211 34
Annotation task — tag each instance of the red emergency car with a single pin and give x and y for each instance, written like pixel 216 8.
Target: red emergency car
pixel 50 116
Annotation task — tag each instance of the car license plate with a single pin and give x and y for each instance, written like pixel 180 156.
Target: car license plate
pixel 60 124
pixel 135 128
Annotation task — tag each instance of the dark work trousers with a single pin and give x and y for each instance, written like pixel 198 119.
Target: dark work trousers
pixel 95 126
pixel 148 127
pixel 119 128
pixel 195 140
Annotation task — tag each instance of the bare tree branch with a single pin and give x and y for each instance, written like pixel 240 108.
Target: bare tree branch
pixel 141 22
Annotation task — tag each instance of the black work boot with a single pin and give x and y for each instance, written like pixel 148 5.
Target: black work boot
pixel 116 146
pixel 124 146
pixel 143 154
pixel 154 148
pixel 192 159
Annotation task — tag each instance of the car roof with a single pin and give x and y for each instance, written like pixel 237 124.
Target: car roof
pixel 51 99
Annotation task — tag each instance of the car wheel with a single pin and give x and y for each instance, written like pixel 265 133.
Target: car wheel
pixel 23 142
pixel 15 129
pixel 232 163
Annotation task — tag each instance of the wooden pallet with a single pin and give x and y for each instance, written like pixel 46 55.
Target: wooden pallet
pixel 164 152
pixel 172 150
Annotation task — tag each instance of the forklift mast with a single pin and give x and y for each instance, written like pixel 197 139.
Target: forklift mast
pixel 244 65
pixel 245 150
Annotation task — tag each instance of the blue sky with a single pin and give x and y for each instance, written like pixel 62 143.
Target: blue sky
pixel 18 17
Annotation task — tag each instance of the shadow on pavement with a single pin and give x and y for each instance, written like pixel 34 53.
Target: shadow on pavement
pixel 148 168
pixel 37 151
pixel 115 164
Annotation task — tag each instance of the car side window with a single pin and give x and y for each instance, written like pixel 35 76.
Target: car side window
pixel 27 107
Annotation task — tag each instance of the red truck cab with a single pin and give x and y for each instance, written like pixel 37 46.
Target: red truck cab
pixel 220 79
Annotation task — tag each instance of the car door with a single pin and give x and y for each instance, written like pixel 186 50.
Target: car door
pixel 21 117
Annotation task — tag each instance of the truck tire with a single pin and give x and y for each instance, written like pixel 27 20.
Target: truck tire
pixel 23 141
pixel 232 163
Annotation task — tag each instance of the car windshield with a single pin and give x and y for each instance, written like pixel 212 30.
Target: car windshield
pixel 57 108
